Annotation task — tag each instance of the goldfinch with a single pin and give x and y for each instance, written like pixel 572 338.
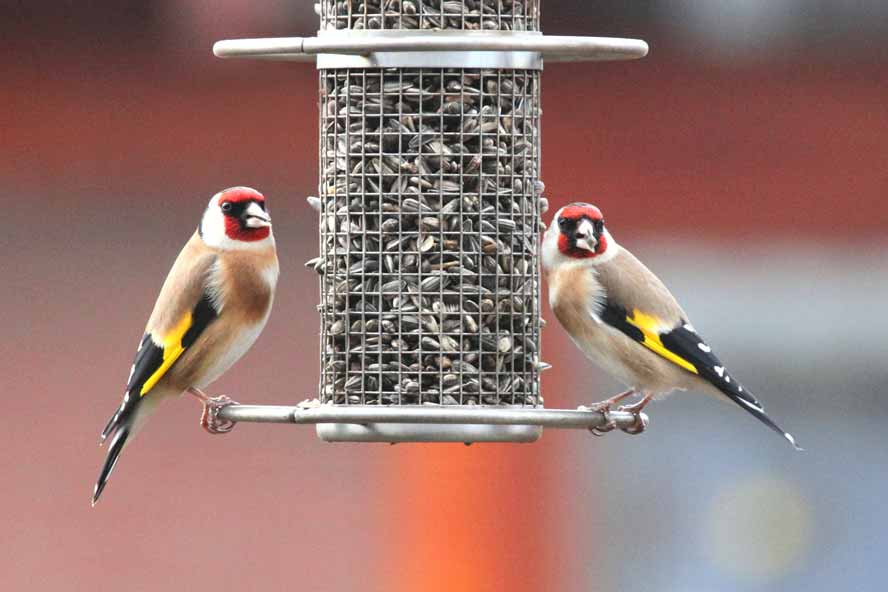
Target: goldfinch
pixel 625 320
pixel 211 308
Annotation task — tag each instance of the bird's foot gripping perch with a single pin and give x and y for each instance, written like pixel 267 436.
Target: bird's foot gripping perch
pixel 641 420
pixel 604 408
pixel 609 425
pixel 209 419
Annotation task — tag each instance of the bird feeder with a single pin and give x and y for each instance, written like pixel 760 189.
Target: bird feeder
pixel 429 218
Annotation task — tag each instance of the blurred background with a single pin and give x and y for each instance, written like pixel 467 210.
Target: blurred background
pixel 744 160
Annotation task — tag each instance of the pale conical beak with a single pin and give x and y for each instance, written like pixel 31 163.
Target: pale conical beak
pixel 585 236
pixel 255 217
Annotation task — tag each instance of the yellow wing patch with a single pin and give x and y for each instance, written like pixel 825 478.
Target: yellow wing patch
pixel 172 349
pixel 650 328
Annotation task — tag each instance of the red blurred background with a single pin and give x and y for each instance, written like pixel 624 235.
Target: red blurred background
pixel 744 159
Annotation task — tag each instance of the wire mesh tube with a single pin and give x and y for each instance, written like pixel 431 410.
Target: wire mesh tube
pixel 430 220
pixel 502 15
pixel 429 236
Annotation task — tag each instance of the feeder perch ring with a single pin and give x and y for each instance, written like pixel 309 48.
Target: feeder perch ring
pixel 430 423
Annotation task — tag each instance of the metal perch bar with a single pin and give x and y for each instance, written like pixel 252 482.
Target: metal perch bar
pixel 428 414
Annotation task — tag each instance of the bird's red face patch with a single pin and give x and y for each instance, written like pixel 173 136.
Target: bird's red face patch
pixel 240 195
pixel 235 230
pixel 571 220
pixel 575 211
pixel 234 203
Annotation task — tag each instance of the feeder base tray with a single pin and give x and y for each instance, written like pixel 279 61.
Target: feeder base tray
pixel 413 432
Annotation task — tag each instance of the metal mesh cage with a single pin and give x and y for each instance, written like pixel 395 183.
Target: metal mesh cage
pixel 494 15
pixel 429 235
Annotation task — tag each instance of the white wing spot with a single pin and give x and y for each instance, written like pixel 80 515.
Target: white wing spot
pixel 720 371
pixel 750 404
pixel 690 328
pixel 727 379
pixel 704 347
pixel 126 397
pixel 740 388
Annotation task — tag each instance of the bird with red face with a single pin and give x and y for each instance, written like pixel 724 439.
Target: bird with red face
pixel 211 308
pixel 623 318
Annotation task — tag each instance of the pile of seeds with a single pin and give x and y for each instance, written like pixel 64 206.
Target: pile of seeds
pixel 430 219
pixel 501 15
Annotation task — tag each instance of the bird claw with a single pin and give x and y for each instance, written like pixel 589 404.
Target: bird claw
pixel 608 427
pixel 209 419
pixel 604 409
pixel 641 421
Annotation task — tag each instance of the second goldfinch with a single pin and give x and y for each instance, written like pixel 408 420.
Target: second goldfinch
pixel 623 318
pixel 211 308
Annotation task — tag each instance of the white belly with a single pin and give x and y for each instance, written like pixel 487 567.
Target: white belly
pixel 238 346
pixel 598 347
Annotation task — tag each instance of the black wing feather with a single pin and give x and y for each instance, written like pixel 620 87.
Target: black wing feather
pixel 684 342
pixel 148 359
pixel 203 314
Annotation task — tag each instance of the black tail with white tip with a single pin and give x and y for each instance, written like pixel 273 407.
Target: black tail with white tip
pixel 744 399
pixel 114 449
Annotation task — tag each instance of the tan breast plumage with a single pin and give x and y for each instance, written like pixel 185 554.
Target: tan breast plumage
pixel 241 284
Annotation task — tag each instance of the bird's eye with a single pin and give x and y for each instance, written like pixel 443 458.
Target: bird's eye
pixel 226 207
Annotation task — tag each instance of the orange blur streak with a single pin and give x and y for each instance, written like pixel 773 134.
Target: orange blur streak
pixel 489 516
pixel 467 525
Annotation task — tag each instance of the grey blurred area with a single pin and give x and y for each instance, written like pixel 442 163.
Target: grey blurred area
pixel 719 503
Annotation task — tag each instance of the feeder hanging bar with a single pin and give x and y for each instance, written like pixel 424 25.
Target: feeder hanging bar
pixel 554 48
